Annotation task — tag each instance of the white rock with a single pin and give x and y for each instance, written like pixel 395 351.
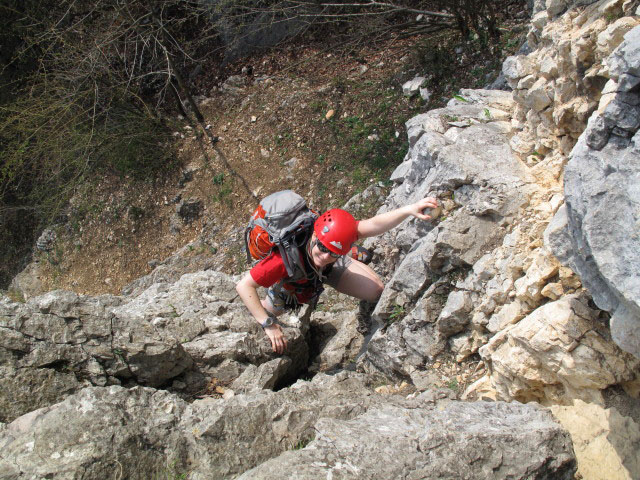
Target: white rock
pixel 425 94
pixel 522 143
pixel 544 266
pixel 557 352
pixel 539 20
pixel 508 315
pixel 556 201
pixel 526 82
pixel 537 96
pixel 556 7
pixel 548 67
pixel 610 38
pixel 553 291
pixel 412 87
pixel 516 67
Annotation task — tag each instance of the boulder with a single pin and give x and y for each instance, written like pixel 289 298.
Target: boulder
pixel 559 351
pixel 430 443
pixel 412 87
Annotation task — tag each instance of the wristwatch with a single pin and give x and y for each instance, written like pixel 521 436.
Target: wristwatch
pixel 270 320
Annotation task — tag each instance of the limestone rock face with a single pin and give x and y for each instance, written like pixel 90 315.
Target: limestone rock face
pixel 557 86
pixel 142 433
pixel 473 172
pixel 179 335
pixel 50 348
pixel 505 252
pixel 602 218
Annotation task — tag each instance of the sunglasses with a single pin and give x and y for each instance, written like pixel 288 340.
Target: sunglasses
pixel 324 249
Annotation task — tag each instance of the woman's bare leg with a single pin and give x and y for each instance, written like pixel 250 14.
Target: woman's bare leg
pixel 360 281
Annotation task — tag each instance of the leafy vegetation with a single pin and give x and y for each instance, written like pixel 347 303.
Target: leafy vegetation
pixel 453 384
pixel 170 472
pixel 397 314
pixel 300 444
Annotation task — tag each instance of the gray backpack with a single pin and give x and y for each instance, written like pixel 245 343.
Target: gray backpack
pixel 283 221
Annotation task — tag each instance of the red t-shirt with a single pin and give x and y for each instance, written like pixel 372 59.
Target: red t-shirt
pixel 269 271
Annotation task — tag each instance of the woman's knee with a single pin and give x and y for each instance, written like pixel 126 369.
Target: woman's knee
pixel 371 289
pixel 375 291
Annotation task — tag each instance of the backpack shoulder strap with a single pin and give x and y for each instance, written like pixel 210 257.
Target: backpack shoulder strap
pixel 291 244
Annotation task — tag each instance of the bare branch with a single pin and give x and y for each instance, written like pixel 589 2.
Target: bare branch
pixel 391 6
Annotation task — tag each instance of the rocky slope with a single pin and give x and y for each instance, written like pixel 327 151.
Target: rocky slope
pixel 532 268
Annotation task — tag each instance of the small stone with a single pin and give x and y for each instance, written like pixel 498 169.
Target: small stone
pixel 568 279
pixel 384 389
pixel 46 240
pixel 552 291
pixel 291 163
pixel 433 212
pixel 412 87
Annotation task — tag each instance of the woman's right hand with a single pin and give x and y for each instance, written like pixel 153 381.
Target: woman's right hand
pixel 275 334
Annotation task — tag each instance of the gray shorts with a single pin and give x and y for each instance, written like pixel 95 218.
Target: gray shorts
pixel 281 299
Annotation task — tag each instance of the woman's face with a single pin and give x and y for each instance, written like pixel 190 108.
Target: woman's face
pixel 319 258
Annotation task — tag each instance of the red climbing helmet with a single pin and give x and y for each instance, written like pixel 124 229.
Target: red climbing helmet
pixel 337 230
